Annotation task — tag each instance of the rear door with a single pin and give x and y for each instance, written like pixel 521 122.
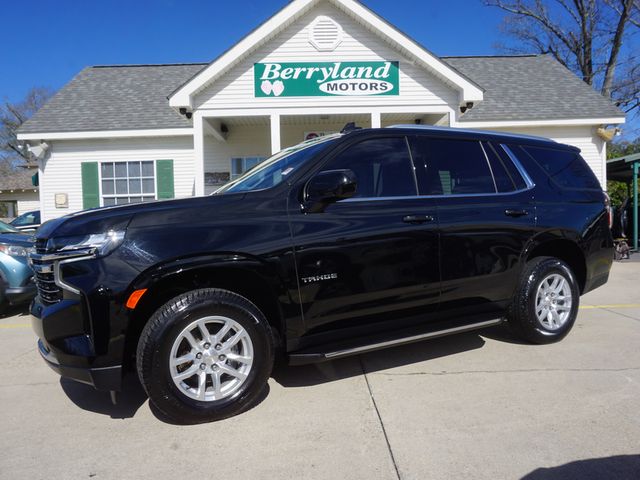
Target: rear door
pixel 371 259
pixel 486 217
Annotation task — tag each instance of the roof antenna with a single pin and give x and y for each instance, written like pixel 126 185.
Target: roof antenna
pixel 350 127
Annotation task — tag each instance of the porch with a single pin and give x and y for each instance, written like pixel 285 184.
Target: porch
pixel 228 143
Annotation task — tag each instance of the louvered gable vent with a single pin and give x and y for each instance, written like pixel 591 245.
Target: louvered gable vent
pixel 325 34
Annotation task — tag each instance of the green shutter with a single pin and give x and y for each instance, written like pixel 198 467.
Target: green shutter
pixel 90 185
pixel 164 179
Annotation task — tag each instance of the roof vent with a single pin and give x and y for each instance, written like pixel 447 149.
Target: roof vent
pixel 325 34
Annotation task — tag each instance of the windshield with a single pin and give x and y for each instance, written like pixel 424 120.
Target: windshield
pixel 4 228
pixel 29 218
pixel 276 169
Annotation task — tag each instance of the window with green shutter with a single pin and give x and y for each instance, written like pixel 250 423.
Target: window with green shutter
pixel 136 181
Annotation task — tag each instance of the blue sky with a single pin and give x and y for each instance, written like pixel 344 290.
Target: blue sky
pixel 54 40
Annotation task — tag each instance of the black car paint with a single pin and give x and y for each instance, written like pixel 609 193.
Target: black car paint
pixel 417 259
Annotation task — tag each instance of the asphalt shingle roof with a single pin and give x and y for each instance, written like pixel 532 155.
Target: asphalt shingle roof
pixel 115 98
pixel 532 87
pixel 19 179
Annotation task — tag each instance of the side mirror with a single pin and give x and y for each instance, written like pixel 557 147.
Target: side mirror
pixel 328 187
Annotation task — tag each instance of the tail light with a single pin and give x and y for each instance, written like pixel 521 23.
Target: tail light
pixel 607 204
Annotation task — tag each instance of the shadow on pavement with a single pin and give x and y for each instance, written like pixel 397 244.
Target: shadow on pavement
pixel 315 374
pixel 620 467
pixel 86 397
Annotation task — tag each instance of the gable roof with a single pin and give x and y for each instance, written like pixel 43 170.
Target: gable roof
pixel 182 97
pixel 135 97
pixel 114 98
pixel 530 87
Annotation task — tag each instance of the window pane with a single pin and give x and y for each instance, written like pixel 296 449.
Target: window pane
pixel 107 170
pixel 135 186
pixel 107 187
pixel 148 199
pixel 382 167
pixel 121 187
pixel 500 175
pixel 250 163
pixel 565 167
pixel 236 166
pixel 122 201
pixel 135 200
pixel 108 201
pixel 511 168
pixel 134 169
pixel 121 169
pixel 148 185
pixel 147 169
pixel 454 167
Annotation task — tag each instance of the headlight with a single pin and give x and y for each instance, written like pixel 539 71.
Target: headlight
pixel 100 243
pixel 14 250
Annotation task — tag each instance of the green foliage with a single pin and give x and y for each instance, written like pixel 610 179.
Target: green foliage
pixel 617 192
pixel 620 149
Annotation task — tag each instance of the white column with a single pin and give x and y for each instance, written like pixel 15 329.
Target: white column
pixel 376 121
pixel 198 153
pixel 275 133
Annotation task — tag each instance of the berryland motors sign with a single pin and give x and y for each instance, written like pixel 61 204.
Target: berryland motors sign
pixel 326 79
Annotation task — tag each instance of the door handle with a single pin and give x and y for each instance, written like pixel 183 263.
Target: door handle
pixel 515 213
pixel 417 219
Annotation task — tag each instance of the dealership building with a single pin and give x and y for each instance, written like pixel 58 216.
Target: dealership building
pixel 128 133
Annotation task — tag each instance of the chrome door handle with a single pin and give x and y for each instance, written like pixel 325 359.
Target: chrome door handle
pixel 417 219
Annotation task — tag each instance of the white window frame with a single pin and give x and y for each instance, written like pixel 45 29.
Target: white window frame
pixel 150 196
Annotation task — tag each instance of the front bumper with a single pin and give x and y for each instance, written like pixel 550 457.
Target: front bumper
pixel 105 378
pixel 65 345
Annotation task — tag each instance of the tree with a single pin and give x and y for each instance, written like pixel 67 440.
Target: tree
pixel 586 36
pixel 12 115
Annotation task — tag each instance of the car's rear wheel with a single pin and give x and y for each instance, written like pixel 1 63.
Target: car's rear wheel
pixel 545 305
pixel 205 355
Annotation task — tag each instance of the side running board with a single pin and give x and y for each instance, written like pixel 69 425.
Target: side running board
pixel 376 343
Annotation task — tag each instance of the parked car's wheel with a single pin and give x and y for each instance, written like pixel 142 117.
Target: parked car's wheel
pixel 546 301
pixel 205 355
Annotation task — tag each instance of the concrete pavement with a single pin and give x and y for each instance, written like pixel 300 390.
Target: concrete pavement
pixel 479 405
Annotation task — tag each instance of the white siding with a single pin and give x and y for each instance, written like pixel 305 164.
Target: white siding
pixel 592 147
pixel 235 89
pixel 62 170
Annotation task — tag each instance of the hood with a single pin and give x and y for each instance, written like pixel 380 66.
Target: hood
pixel 166 212
pixel 19 239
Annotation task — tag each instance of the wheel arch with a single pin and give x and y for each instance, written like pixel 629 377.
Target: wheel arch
pixel 248 277
pixel 566 250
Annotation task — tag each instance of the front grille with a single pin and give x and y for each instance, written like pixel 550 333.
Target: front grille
pixel 44 265
pixel 49 292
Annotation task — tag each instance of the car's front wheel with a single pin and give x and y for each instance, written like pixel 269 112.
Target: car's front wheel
pixel 205 355
pixel 545 305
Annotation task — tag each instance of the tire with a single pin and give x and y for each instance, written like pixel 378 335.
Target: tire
pixel 538 293
pixel 235 360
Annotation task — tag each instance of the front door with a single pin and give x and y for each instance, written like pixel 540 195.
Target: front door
pixel 370 261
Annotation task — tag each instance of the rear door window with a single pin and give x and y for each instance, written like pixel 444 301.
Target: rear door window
pixel 565 167
pixel 453 167
pixel 382 167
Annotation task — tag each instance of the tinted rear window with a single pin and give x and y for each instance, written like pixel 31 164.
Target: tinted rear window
pixel 566 168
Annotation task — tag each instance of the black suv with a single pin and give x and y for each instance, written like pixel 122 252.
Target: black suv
pixel 337 246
